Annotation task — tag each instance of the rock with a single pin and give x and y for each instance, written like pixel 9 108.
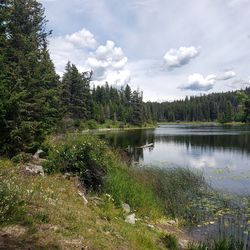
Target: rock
pixel 126 208
pixel 36 156
pixel 151 226
pixel 31 169
pixel 172 222
pixel 83 197
pixel 67 176
pixel 130 219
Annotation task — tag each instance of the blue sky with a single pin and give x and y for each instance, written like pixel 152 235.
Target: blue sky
pixel 168 49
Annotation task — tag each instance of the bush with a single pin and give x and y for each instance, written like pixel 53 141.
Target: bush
pixel 92 124
pixel 170 241
pixel 11 206
pixel 21 158
pixel 122 125
pixel 83 156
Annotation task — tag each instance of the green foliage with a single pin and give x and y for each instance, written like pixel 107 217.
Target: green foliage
pixel 84 156
pixel 11 205
pixel 21 158
pixel 244 99
pixel 91 124
pixel 226 244
pixel 222 107
pixel 28 80
pixel 170 241
pixel 75 93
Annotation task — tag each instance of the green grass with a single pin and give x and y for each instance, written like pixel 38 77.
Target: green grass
pixel 226 244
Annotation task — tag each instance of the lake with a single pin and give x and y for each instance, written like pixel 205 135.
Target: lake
pixel 222 153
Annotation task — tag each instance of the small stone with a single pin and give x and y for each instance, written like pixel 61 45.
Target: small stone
pixel 126 208
pixel 171 222
pixel 67 176
pixel 130 219
pixel 83 197
pixel 151 226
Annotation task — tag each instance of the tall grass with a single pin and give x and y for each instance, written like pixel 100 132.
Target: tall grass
pixel 226 244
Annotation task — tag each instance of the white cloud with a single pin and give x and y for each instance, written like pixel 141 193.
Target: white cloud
pixel 82 39
pixel 71 47
pixel 228 74
pixel 197 82
pixel 178 57
pixel 108 63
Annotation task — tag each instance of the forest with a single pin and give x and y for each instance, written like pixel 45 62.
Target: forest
pixel 35 100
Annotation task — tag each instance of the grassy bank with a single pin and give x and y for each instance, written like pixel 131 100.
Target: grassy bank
pixel 81 125
pixel 49 212
pixel 202 123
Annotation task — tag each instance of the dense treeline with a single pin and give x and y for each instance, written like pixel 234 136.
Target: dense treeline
pixel 34 101
pixel 221 107
pixel 80 102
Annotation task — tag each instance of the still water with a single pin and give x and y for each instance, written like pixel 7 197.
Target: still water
pixel 222 153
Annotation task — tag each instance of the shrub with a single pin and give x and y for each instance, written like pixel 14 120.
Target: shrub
pixel 122 125
pixel 21 158
pixel 82 156
pixel 92 124
pixel 170 241
pixel 11 206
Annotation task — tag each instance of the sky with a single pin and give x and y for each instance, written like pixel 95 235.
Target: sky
pixel 169 49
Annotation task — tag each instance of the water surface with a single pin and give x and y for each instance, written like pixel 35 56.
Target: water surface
pixel 222 153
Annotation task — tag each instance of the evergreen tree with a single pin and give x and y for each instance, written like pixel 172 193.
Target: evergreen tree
pixel 29 82
pixel 75 93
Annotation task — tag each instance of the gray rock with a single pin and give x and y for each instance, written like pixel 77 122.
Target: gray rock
pixel 151 226
pixel 83 197
pixel 172 222
pixel 67 176
pixel 126 208
pixel 36 156
pixel 31 169
pixel 130 219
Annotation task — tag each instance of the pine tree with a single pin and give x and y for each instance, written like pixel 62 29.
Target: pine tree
pixel 29 77
pixel 75 93
pixel 137 109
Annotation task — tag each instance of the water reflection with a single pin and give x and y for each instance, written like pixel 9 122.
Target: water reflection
pixel 222 153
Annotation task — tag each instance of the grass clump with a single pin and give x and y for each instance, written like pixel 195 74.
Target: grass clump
pixel 170 241
pixel 225 244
